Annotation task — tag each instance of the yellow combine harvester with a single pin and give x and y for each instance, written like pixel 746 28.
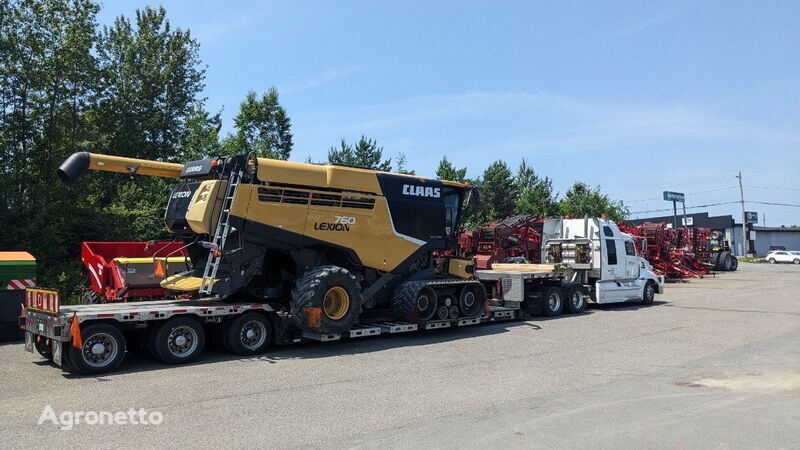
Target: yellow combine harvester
pixel 321 241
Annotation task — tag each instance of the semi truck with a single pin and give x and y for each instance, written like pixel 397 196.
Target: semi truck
pixel 285 252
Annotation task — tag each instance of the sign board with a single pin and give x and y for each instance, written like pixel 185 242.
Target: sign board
pixel 751 216
pixel 674 196
pixel 688 221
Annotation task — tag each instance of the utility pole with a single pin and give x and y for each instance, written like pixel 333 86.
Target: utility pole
pixel 745 242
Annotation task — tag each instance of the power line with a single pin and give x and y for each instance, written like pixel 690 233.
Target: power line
pixel 688 207
pixel 773 188
pixel 688 193
pixel 718 204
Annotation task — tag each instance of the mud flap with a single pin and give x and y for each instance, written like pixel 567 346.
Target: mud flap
pixel 29 342
pixel 57 354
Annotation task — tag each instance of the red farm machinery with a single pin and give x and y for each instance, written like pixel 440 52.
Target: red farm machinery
pixel 690 252
pixel 515 239
pixel 126 271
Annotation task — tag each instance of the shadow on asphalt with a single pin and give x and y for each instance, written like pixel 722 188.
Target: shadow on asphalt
pixel 140 361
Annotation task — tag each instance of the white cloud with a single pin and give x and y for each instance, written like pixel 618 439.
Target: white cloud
pixel 325 77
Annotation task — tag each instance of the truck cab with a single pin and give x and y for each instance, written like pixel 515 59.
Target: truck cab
pixel 597 254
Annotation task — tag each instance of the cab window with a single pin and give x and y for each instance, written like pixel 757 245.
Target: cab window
pixel 630 250
pixel 607 231
pixel 452 207
pixel 611 251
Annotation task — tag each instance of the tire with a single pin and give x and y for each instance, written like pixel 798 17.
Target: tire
pixel 796 261
pixel 42 347
pixel 414 301
pixel 735 263
pixel 771 260
pixel 248 334
pixel 471 300
pixel 552 301
pixel 728 262
pixel 575 299
pixel 715 260
pixel 649 293
pixel 91 297
pixel 179 340
pixel 102 351
pixel 333 289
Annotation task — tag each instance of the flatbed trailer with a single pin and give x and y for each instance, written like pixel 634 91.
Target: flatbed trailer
pixel 93 339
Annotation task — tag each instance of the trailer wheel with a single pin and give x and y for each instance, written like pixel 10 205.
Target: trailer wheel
pixel 471 300
pixel 44 347
pixel 649 293
pixel 414 301
pixel 332 289
pixel 552 301
pixel 576 299
pixel 179 340
pixel 102 351
pixel 248 334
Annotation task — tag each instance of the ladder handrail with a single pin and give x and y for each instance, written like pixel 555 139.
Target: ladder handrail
pixel 220 234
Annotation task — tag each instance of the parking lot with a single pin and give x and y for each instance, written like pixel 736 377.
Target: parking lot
pixel 714 362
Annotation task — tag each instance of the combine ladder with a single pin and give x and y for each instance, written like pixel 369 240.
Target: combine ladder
pixel 220 234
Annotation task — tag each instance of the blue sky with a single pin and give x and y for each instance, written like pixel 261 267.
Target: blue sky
pixel 637 97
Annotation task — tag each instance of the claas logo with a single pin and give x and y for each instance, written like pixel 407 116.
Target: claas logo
pixel 422 191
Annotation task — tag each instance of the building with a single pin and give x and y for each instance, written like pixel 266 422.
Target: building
pixel 761 238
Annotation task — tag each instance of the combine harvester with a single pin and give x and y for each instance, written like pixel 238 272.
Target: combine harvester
pixel 284 252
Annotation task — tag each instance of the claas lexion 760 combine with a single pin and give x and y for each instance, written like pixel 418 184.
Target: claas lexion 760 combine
pixel 323 242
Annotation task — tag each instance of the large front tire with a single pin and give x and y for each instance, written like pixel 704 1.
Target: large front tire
pixel 337 294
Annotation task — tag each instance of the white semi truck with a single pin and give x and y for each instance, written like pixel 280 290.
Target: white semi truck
pixel 596 261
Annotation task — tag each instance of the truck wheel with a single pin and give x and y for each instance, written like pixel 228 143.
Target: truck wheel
pixel 248 334
pixel 552 301
pixel 335 291
pixel 102 351
pixel 44 347
pixel 576 299
pixel 471 300
pixel 179 340
pixel 91 298
pixel 649 293
pixel 414 301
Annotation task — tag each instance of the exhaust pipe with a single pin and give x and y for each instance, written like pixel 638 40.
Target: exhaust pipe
pixel 78 163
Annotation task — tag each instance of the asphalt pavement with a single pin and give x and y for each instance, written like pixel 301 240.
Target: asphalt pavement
pixel 713 363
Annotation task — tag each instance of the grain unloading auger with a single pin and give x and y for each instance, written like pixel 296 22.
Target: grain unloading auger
pixel 325 241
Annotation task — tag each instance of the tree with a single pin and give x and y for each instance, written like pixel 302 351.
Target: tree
pixel 365 153
pixel 263 128
pixel 201 136
pixel 151 78
pixel 499 193
pixel 401 162
pixel 535 193
pixel 446 171
pixel 583 201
